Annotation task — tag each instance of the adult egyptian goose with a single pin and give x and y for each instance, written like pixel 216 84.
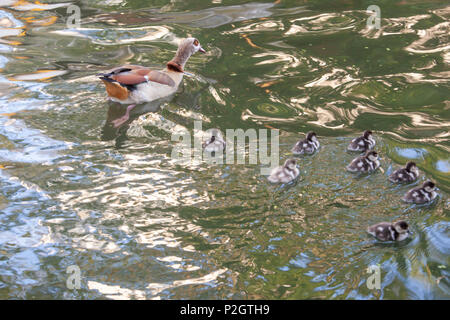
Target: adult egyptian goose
pixel 132 84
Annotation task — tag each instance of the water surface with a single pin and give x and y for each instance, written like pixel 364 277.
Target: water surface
pixel 75 190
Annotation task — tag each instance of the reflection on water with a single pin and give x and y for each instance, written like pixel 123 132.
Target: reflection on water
pixel 118 120
pixel 80 188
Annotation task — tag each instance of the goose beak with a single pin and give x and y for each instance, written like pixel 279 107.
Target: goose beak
pixel 202 50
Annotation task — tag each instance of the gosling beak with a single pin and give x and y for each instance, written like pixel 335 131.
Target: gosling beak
pixel 202 50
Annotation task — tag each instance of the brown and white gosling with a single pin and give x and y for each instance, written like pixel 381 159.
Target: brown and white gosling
pixel 285 173
pixel 309 145
pixel 386 231
pixel 362 143
pixel 419 195
pixel 408 174
pixel 215 143
pixel 366 163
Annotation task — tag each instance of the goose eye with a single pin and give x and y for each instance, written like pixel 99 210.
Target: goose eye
pixel 195 42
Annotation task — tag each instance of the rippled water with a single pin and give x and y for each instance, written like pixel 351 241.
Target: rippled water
pixel 75 190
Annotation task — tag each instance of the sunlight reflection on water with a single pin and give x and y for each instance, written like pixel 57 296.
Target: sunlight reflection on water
pixel 78 191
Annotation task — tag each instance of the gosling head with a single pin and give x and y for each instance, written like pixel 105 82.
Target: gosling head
pixel 367 134
pixel 401 227
pixel 429 186
pixel 311 136
pixel 412 167
pixel 372 155
pixel 290 164
pixel 215 133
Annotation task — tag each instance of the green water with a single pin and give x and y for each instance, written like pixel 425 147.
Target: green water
pixel 112 201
